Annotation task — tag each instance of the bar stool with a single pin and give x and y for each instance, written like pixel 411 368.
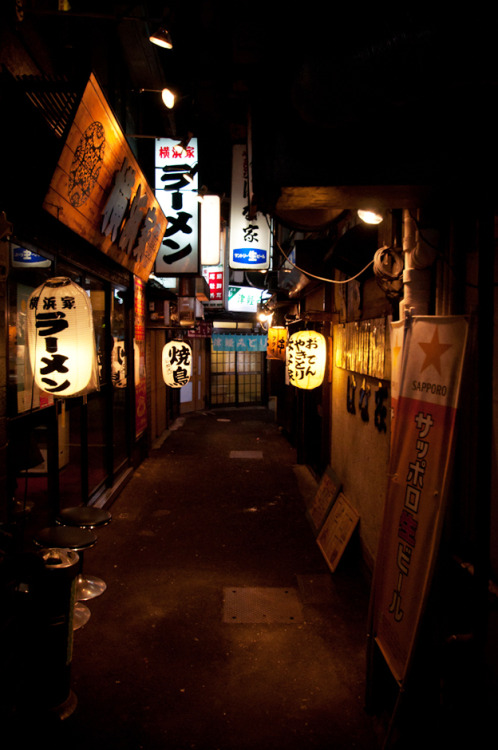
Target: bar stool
pixel 86 518
pixel 79 540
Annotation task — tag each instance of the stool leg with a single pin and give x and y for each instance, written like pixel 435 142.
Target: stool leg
pixel 81 615
pixel 88 587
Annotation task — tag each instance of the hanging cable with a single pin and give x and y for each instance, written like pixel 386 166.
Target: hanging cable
pixel 321 278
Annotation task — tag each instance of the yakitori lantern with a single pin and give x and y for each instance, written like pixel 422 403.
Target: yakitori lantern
pixel 306 356
pixel 176 363
pixel 61 339
pixel 277 342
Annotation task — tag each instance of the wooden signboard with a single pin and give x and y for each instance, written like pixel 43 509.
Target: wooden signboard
pixel 99 191
pixel 337 530
pixel 323 499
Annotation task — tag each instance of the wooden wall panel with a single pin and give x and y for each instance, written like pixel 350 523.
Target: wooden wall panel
pixel 96 150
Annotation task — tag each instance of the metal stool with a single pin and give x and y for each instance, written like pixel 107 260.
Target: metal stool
pixel 83 517
pixel 67 537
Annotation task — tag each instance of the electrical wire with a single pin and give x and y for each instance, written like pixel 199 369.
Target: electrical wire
pixel 321 278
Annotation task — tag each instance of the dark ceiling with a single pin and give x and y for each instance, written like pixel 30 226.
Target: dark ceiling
pixel 339 98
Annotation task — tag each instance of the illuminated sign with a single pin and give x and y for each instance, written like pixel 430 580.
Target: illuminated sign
pixel 176 187
pixel 250 236
pixel 99 192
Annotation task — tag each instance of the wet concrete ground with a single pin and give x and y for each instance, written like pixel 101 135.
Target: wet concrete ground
pixel 176 653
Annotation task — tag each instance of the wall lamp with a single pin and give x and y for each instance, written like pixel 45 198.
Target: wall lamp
pixel 162 38
pixel 167 96
pixel 370 217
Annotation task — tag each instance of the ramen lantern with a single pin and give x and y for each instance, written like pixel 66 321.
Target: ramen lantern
pixel 176 363
pixel 306 356
pixel 61 339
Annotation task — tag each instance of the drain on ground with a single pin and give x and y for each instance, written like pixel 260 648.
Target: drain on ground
pixel 261 604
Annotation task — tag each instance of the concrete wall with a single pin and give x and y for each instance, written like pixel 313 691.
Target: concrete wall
pixel 360 456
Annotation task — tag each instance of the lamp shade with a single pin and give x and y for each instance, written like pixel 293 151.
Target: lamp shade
pixel 306 358
pixel 277 342
pixel 176 363
pixel 61 339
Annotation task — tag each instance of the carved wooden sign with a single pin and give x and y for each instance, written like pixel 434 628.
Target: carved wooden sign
pixel 99 191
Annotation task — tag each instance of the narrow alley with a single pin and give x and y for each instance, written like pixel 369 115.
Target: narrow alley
pixel 221 626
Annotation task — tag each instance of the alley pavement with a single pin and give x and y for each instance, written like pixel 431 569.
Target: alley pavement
pixel 222 627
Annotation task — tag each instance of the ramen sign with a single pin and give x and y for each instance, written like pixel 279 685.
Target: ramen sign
pixel 99 191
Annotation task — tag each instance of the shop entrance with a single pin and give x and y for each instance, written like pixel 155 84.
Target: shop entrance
pixel 79 446
pixel 237 378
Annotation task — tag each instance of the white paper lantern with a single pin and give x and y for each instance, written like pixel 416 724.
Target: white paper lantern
pixel 306 357
pixel 61 339
pixel 176 363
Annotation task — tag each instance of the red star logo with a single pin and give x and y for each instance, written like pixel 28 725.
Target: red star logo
pixel 433 351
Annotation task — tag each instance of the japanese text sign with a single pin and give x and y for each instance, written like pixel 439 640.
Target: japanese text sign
pixel 306 358
pixel 250 237
pixel 99 192
pixel 277 342
pixel 176 191
pixel 61 338
pixel 176 363
pixel 428 376
pixel 227 342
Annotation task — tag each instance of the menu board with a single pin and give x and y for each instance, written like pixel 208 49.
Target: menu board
pixel 323 499
pixel 337 530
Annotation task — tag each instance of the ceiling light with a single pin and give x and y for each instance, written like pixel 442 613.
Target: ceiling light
pixel 370 217
pixel 162 38
pixel 168 98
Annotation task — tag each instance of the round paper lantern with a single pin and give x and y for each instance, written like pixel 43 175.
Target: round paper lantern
pixel 306 357
pixel 277 342
pixel 61 338
pixel 176 363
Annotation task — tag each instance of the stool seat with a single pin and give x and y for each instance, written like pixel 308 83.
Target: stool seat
pixel 65 536
pixel 84 517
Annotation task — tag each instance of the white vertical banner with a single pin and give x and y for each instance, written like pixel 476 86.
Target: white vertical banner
pixel 176 190
pixel 250 237
pixel 426 399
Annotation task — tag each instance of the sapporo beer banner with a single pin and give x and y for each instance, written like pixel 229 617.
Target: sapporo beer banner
pixel 427 373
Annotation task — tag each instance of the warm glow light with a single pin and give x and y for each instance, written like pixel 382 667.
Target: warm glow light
pixel 306 358
pixel 61 339
pixel 370 217
pixel 277 342
pixel 162 38
pixel 176 363
pixel 168 98
pixel 210 230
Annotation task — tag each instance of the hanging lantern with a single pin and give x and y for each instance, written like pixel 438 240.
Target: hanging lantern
pixel 277 342
pixel 306 356
pixel 176 363
pixel 61 339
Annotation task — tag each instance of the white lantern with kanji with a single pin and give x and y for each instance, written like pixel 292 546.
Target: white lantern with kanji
pixel 61 339
pixel 306 359
pixel 176 363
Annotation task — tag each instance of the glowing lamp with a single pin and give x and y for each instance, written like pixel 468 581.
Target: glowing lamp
pixel 277 342
pixel 306 357
pixel 176 363
pixel 61 339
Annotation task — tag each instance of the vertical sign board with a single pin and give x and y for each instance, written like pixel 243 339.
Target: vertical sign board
pixel 250 237
pixel 178 198
pixel 99 192
pixel 216 277
pixel 430 369
pixel 139 347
